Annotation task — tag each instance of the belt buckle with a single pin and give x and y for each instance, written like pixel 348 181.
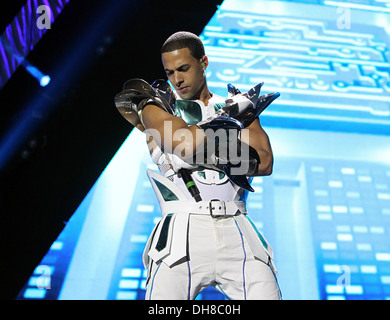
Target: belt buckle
pixel 220 207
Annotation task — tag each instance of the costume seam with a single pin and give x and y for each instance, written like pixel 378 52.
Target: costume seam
pixel 189 280
pixel 151 287
pixel 276 280
pixel 244 262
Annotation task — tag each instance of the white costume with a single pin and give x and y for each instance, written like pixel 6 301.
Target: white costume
pixel 208 243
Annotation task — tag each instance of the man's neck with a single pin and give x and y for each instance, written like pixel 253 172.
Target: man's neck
pixel 205 96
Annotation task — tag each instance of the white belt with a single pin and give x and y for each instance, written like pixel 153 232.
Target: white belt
pixel 213 207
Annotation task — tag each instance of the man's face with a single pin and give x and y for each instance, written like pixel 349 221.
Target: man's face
pixel 185 73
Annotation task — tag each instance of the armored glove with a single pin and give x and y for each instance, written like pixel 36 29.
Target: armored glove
pixel 226 152
pixel 244 112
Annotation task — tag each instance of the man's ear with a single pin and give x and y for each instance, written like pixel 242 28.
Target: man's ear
pixel 204 62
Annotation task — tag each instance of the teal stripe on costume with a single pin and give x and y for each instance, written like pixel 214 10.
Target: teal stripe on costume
pixel 166 193
pixel 258 233
pixel 218 106
pixel 162 240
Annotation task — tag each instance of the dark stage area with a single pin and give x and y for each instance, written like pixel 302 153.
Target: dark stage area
pixel 71 128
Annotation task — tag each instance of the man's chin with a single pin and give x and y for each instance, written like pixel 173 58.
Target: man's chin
pixel 185 96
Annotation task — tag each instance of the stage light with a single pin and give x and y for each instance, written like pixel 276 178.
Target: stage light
pixel 26 29
pixel 43 79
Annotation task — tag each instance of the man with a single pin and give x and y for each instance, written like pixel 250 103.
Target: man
pixel 205 237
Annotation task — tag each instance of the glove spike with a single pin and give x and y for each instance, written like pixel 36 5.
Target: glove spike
pixel 232 90
pixel 136 92
pixel 241 181
pixel 260 103
pixel 254 93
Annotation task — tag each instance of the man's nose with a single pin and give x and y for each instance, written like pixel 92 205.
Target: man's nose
pixel 178 79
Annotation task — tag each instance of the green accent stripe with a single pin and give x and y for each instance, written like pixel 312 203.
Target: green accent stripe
pixel 190 184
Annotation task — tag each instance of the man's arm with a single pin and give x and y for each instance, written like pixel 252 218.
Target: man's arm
pixel 258 139
pixel 171 133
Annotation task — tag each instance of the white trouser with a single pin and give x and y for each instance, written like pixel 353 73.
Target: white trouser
pixel 219 256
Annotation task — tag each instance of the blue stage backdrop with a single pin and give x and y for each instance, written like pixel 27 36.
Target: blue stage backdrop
pixel 325 209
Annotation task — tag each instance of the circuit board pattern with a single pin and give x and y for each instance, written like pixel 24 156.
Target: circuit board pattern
pixel 368 5
pixel 328 78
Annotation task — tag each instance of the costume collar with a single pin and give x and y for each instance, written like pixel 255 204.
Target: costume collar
pixel 191 111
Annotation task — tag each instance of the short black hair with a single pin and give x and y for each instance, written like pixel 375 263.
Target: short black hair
pixel 184 39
